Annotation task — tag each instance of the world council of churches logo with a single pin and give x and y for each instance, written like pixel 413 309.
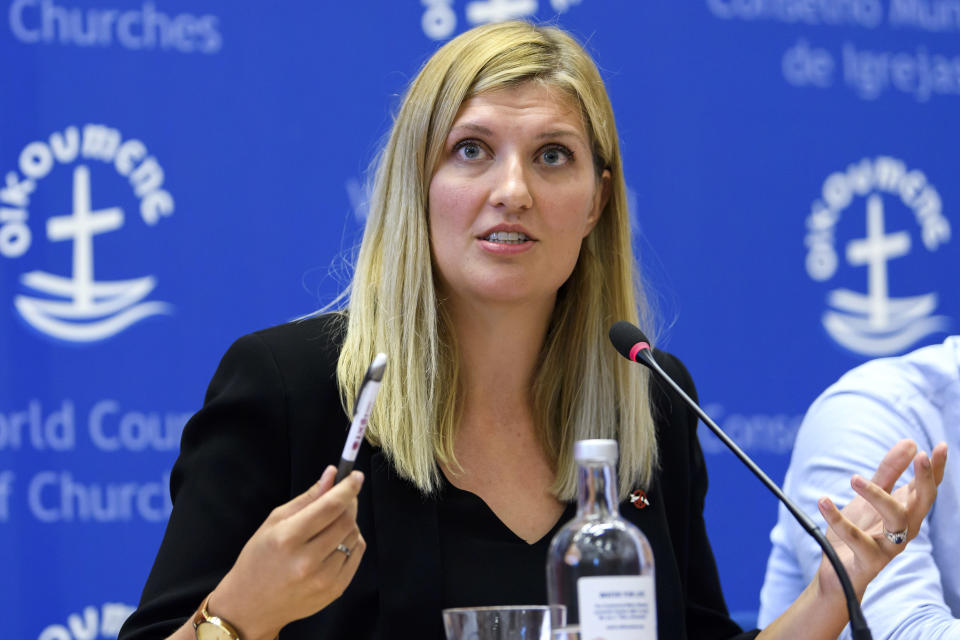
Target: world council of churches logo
pixel 76 307
pixel 874 323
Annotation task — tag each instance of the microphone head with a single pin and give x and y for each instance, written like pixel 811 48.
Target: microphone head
pixel 629 341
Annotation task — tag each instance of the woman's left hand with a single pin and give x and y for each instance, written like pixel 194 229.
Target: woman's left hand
pixel 858 532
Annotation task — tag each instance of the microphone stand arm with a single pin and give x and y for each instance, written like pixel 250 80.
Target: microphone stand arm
pixel 858 625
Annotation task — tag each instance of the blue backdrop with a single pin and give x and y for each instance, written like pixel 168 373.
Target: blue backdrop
pixel 175 174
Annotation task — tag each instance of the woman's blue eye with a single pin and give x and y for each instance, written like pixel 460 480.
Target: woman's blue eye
pixel 469 150
pixel 556 156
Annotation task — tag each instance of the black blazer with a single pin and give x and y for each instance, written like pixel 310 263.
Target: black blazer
pixel 271 422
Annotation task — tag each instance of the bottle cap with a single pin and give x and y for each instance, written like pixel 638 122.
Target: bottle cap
pixel 603 450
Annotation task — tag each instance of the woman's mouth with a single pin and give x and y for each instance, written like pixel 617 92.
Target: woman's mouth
pixel 506 237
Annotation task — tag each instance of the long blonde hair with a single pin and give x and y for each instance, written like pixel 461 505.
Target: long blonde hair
pixel 582 388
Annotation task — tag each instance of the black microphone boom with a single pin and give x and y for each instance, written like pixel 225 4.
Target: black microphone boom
pixel 634 346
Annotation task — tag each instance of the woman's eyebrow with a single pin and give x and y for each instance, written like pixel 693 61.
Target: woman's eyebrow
pixel 559 133
pixel 471 126
pixel 485 131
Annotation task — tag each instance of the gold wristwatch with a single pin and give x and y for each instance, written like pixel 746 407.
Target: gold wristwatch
pixel 208 627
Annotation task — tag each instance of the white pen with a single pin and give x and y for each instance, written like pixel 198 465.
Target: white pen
pixel 361 415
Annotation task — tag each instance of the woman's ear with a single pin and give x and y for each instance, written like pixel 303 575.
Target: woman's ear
pixel 600 200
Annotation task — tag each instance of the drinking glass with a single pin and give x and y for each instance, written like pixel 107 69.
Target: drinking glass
pixel 521 622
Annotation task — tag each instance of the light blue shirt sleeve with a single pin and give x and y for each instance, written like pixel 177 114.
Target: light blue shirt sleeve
pixel 847 431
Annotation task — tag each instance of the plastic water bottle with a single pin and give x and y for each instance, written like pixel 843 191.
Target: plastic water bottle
pixel 599 565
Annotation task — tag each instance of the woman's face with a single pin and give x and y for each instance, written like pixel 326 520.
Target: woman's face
pixel 513 196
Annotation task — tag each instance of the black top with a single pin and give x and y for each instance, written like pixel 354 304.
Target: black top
pixel 272 421
pixel 475 542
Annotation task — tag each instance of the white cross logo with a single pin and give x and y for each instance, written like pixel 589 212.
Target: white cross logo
pixel 78 308
pixel 874 251
pixel 81 226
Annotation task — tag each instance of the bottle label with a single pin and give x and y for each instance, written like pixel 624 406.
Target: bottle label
pixel 617 608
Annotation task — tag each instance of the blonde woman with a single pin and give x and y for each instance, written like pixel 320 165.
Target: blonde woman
pixel 496 255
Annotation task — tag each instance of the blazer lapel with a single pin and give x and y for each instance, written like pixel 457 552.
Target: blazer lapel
pixel 651 519
pixel 407 553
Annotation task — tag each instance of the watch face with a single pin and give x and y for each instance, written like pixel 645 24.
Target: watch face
pixel 211 631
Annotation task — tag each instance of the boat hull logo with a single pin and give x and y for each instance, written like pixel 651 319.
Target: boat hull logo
pixel 77 307
pixel 874 323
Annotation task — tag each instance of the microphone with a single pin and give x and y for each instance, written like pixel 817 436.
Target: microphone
pixel 634 346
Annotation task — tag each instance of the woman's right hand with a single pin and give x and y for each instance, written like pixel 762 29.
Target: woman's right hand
pixel 291 567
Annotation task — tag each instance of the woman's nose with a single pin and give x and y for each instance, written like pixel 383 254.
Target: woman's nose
pixel 511 189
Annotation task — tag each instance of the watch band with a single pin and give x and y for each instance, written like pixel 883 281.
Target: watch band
pixel 207 627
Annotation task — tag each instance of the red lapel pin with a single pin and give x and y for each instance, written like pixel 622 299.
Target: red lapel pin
pixel 638 498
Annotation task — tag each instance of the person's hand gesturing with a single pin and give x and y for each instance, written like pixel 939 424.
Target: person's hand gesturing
pixel 300 560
